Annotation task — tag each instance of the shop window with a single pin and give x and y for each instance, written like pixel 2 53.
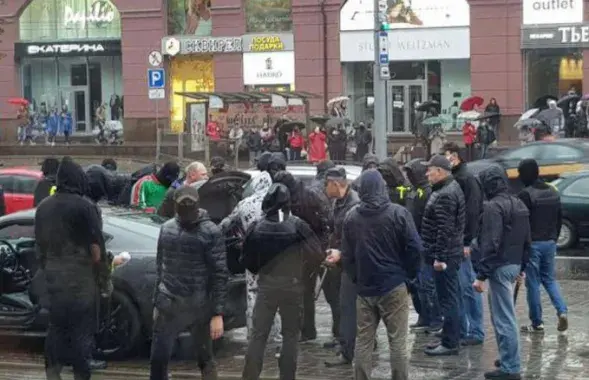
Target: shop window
pixel 190 17
pixel 360 90
pixel 188 75
pixel 553 72
pixel 263 16
pixel 448 82
pixel 57 20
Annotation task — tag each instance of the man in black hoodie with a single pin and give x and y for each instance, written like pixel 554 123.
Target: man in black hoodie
pixel 312 206
pixel 543 201
pixel 191 285
pixel 43 189
pixel 425 299
pixel 277 248
pixel 396 183
pixel 504 245
pixel 370 161
pixel 322 168
pixel 71 252
pixel 276 163
pixel 472 329
pixel 381 253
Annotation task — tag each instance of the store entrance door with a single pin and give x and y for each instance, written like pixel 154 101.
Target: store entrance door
pixel 78 103
pixel 402 95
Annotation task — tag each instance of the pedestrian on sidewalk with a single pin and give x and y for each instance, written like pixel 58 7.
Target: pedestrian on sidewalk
pixel 442 231
pixel 337 187
pixel 276 249
pixel 380 253
pixel 504 245
pixel 191 285
pixel 472 329
pixel 543 202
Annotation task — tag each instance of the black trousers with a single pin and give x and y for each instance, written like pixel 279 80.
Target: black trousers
pixel 168 324
pixel 449 297
pixel 331 287
pixel 70 336
pixel 288 302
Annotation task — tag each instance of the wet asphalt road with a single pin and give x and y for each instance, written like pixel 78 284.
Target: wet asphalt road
pixel 551 356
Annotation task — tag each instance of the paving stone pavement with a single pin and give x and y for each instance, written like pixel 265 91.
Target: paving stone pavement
pixel 551 356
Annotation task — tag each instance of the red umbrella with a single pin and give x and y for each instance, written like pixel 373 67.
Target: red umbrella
pixel 18 101
pixel 469 104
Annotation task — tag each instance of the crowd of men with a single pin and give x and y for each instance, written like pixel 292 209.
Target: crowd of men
pixel 431 231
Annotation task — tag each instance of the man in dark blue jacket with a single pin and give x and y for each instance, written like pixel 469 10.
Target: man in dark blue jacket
pixel 380 252
pixel 504 244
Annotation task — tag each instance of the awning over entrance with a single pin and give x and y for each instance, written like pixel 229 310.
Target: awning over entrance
pixel 250 96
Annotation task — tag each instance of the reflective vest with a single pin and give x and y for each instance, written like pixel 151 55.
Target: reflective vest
pixel 420 193
pixel 52 190
pixel 402 190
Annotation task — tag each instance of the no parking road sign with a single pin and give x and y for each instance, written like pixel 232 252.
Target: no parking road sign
pixel 156 78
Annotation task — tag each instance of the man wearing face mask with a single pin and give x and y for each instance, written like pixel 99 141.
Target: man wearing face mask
pixel 369 161
pixel 397 189
pixel 191 285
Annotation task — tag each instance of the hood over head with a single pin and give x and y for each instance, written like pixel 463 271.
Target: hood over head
pixel 71 178
pixel 49 167
pixel 370 161
pixel 263 161
pixel 277 198
pixel 276 163
pixel 186 205
pixel 261 183
pixel 494 181
pixel 287 180
pixel 98 182
pixel 416 172
pixel 218 165
pixel 323 167
pixel 373 192
pixel 391 173
pixel 529 172
pixel 109 164
pixel 168 173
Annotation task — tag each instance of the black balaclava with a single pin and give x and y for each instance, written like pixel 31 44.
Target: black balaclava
pixel 287 180
pixel 49 167
pixel 529 171
pixel 263 161
pixel 277 198
pixel 109 164
pixel 370 161
pixel 186 205
pixel 168 173
pixel 323 167
pixel 71 178
pixel 276 163
pixel 218 165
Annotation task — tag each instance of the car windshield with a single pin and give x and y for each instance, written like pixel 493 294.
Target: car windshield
pixel 134 232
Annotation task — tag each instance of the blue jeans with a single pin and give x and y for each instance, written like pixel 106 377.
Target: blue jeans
pixel 347 329
pixel 503 317
pixel 448 289
pixel 429 307
pixel 540 271
pixel 471 314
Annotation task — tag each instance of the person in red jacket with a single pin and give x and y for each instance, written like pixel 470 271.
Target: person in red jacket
pixel 469 134
pixel 214 135
pixel 296 143
pixel 317 146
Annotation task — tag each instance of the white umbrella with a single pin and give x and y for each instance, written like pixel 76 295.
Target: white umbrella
pixel 468 115
pixel 528 114
pixel 337 99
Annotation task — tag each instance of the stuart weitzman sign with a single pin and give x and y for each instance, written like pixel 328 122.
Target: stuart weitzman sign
pixel 555 36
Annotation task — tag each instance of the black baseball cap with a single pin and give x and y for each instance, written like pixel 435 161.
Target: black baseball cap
pixel 336 174
pixel 186 193
pixel 438 161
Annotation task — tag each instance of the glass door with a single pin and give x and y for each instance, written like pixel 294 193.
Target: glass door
pixel 78 104
pixel 403 95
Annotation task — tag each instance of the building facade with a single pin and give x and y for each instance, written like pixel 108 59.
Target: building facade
pixel 80 55
pixel 522 50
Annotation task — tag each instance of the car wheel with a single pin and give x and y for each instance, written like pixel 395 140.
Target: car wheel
pixel 120 327
pixel 568 236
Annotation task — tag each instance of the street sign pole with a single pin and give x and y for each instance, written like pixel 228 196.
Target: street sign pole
pixel 156 83
pixel 158 139
pixel 381 75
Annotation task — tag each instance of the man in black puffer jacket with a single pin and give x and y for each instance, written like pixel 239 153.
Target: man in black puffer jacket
pixel 191 285
pixel 276 248
pixel 442 231
pixel 312 206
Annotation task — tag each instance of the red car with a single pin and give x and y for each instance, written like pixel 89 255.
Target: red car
pixel 19 186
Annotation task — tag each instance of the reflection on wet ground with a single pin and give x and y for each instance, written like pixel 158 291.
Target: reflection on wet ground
pixel 551 356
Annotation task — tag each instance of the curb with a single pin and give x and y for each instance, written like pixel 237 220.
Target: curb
pixel 142 374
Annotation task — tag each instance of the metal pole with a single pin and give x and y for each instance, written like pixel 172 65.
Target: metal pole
pixel 158 141
pixel 381 72
pixel 181 145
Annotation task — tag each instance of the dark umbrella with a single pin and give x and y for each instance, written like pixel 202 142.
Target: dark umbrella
pixel 320 119
pixel 542 102
pixel 527 123
pixel 426 106
pixel 566 100
pixel 220 194
pixel 487 115
pixel 336 121
pixel 470 103
pixel 290 125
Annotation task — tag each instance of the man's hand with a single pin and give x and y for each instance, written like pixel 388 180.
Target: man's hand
pixel 216 327
pixel 333 256
pixel 440 266
pixel 467 251
pixel 479 286
pixel 521 277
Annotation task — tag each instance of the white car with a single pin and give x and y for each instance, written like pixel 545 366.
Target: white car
pixel 307 172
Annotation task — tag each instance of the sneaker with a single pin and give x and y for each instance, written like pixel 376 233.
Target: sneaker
pixel 471 342
pixel 500 375
pixel 563 323
pixel 532 329
pixel 419 327
pixel 434 330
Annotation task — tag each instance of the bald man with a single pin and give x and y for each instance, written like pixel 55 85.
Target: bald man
pixel 196 176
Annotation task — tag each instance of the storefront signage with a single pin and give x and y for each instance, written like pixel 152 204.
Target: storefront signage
pixel 552 11
pixel 268 68
pixel 408 45
pixel 401 14
pixel 100 14
pixel 201 45
pixel 555 36
pixel 263 43
pixel 60 49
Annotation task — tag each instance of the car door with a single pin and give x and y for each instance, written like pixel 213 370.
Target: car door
pixel 8 184
pixel 575 205
pixel 557 159
pixel 24 195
